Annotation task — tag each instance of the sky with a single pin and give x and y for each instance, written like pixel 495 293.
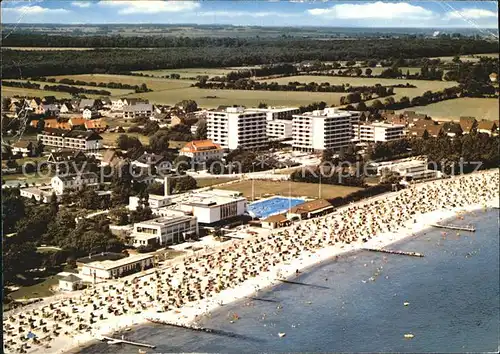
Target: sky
pixel 424 14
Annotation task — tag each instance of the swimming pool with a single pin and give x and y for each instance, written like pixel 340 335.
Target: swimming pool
pixel 272 206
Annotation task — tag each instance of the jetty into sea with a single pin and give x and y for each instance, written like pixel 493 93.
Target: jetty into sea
pixel 403 253
pixel 468 228
pixel 124 341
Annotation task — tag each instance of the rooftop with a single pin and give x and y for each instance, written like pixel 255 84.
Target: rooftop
pixel 325 113
pixel 169 217
pixel 200 145
pixel 312 205
pixel 109 264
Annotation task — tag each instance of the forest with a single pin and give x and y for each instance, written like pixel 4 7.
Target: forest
pixel 185 52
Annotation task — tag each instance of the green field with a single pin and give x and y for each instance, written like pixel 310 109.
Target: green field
pixel 206 182
pixel 481 108
pixel 156 84
pixel 110 138
pixel 298 189
pixel 190 72
pixel 472 57
pixel 8 91
pixel 214 98
pixel 421 85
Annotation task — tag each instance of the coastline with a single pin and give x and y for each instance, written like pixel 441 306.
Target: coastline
pixel 188 314
pixel 191 311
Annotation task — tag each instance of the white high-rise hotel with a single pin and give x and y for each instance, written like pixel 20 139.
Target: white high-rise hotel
pixel 322 129
pixel 237 127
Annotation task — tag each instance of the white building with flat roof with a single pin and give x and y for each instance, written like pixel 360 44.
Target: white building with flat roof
pixel 210 206
pixel 322 129
pixel 236 127
pixel 154 201
pixel 279 129
pixel 377 132
pixel 172 227
pixel 109 269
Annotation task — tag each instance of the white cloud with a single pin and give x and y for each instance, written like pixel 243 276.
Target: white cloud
pixel 32 10
pixel 474 14
pixel 246 14
pixel 150 7
pixel 82 4
pixel 376 10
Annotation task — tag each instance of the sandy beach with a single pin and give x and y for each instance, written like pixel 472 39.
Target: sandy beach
pixel 197 285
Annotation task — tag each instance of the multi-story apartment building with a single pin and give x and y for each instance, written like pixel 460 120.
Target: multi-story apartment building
pixel 322 129
pixel 282 113
pixel 73 139
pixel 236 127
pixel 279 129
pixel 377 132
pixel 141 110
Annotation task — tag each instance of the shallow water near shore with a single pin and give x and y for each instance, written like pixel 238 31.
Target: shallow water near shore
pixel 355 303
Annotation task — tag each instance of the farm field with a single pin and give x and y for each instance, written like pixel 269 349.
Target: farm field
pixel 8 91
pixel 421 85
pixel 472 57
pixel 298 189
pixel 114 92
pixel 189 72
pixel 213 98
pixel 156 84
pixel 480 108
pixel 47 48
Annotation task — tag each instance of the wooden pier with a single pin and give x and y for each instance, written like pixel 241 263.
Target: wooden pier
pixel 455 227
pixel 402 253
pixel 124 341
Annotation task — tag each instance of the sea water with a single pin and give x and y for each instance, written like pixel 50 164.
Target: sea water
pixel 355 303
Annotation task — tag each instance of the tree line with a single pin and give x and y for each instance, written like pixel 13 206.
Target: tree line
pixel 59 88
pixel 205 52
pixel 113 85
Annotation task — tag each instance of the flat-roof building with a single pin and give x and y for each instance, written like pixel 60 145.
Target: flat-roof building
pixel 172 227
pixel 279 129
pixel 109 269
pixel 236 127
pixel 281 113
pixel 73 139
pixel 378 132
pixel 322 129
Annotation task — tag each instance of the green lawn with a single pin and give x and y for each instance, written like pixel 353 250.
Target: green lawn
pixel 206 182
pixel 42 289
pixel 156 84
pixel 189 72
pixel 421 85
pixel 481 108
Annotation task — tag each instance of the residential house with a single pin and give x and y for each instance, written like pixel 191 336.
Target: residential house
pixel 117 105
pixel 23 148
pixel 202 150
pixel 90 113
pixel 50 109
pixel 275 221
pixel 89 103
pixel 112 158
pixel 34 103
pixel 175 120
pixel 452 129
pixel 147 160
pixel 106 102
pixel 66 155
pixel 77 122
pixel 487 127
pixel 141 110
pixel 134 101
pixel 493 77
pixel 468 124
pixel 52 123
pixel 66 107
pixel 64 183
pixel 73 139
pixel 96 125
